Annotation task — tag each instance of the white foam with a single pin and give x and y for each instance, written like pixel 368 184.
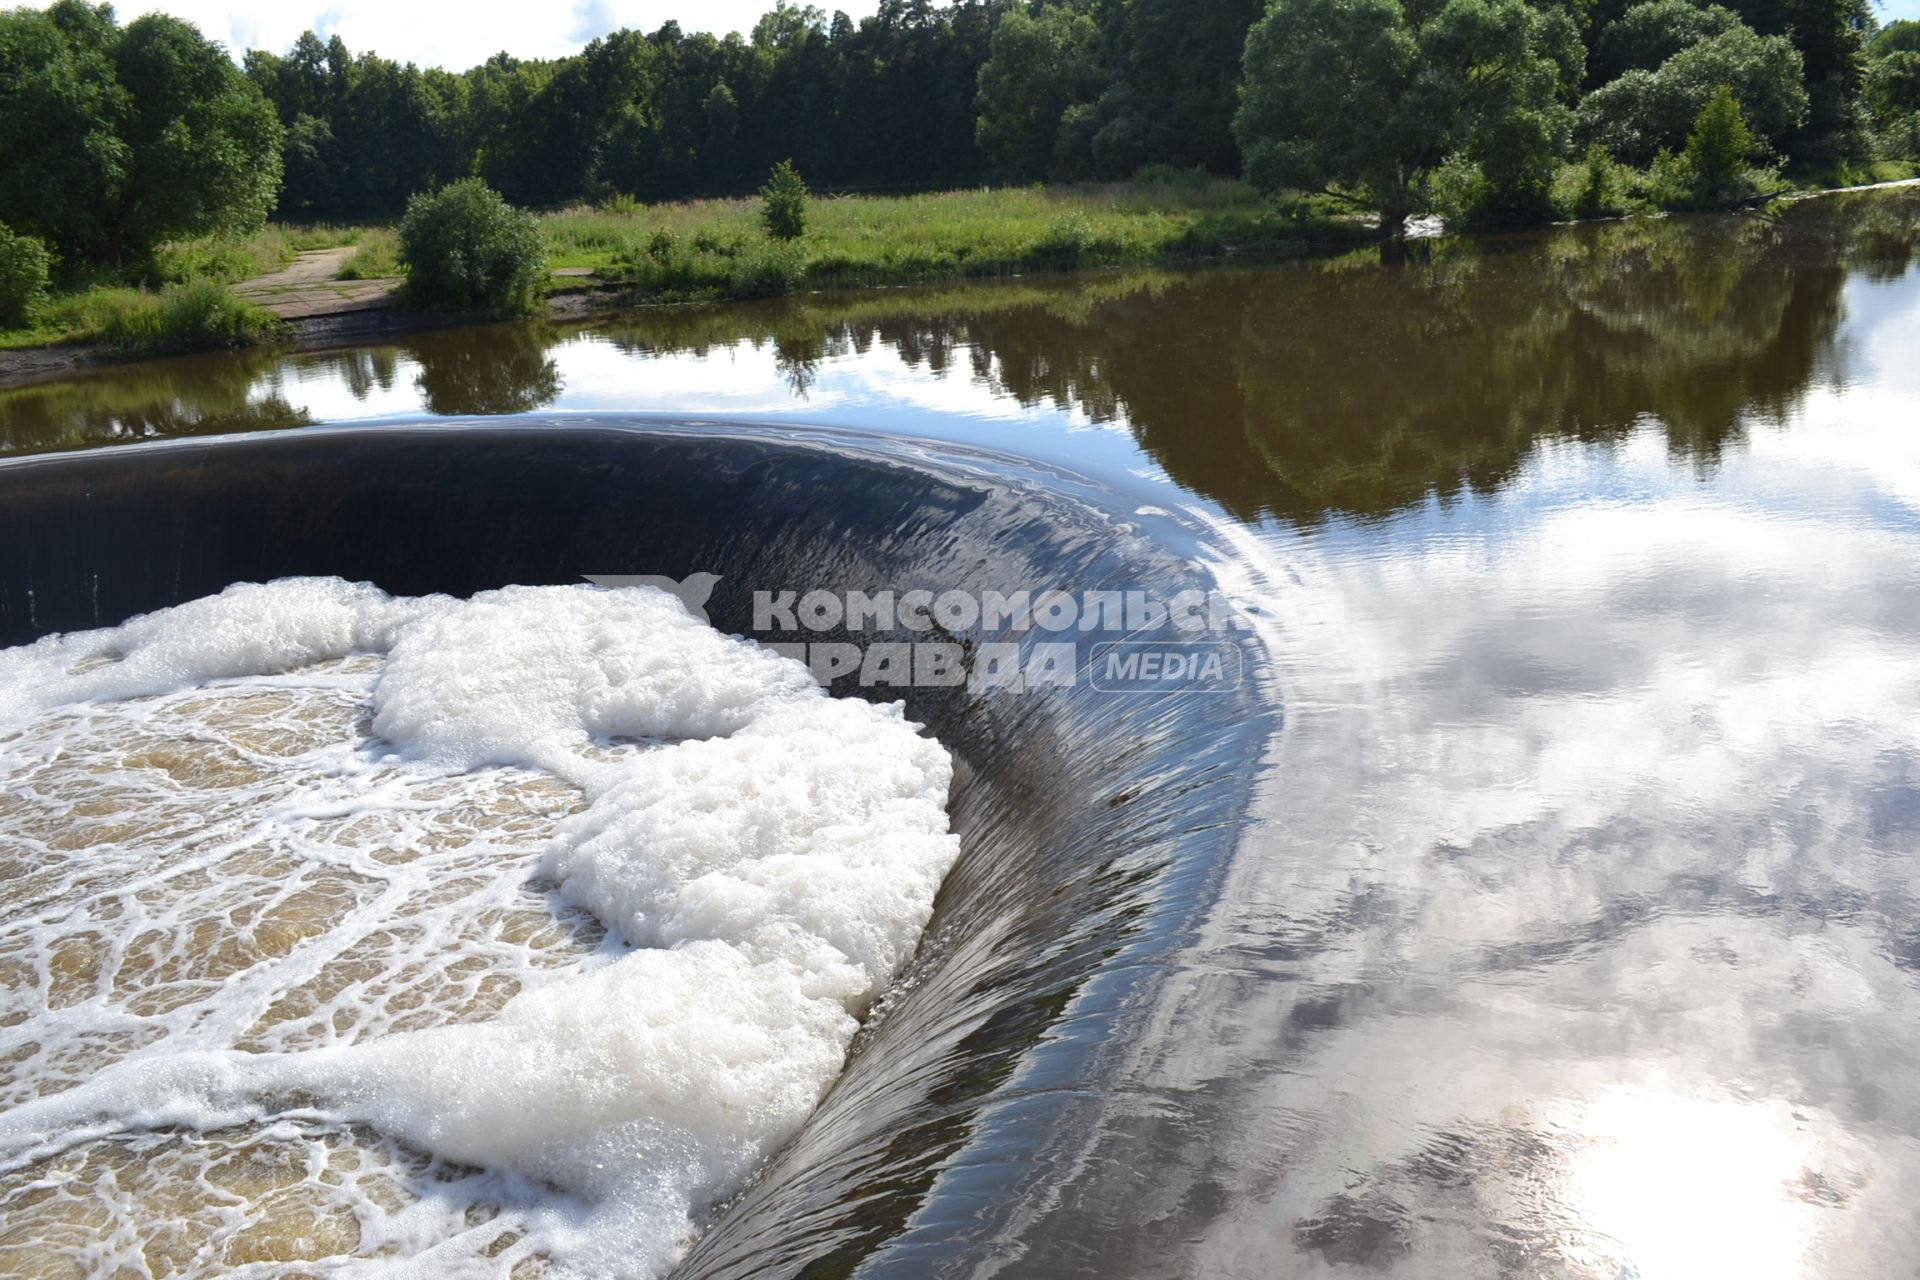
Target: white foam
pixel 248 629
pixel 770 853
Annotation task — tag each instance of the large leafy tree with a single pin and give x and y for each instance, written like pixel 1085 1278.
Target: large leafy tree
pixel 63 118
pixel 1041 66
pixel 1893 98
pixel 1647 34
pixel 1893 85
pixel 204 144
pixel 1513 69
pixel 1175 79
pixel 1354 96
pixel 1901 36
pixel 1643 112
pixel 1335 96
pixel 118 139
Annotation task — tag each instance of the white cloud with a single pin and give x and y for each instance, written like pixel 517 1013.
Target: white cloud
pixel 457 33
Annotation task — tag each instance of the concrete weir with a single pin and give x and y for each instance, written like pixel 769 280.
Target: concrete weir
pixel 978 1104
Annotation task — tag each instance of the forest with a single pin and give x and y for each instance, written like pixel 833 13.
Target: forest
pixel 121 138
pixel 920 96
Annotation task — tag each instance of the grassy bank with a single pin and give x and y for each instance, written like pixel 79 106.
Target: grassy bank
pixel 180 301
pixel 717 248
pixel 1627 191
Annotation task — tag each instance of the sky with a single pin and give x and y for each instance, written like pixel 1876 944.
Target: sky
pixel 458 34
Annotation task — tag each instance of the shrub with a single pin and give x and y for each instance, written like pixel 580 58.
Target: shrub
pixel 1457 189
pixel 464 247
pixel 1717 150
pixel 23 278
pixel 767 273
pixel 1901 139
pixel 783 203
pixel 1599 192
pixel 188 317
pixel 1669 181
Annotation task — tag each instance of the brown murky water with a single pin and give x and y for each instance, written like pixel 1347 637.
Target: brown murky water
pixel 1580 934
pixel 238 866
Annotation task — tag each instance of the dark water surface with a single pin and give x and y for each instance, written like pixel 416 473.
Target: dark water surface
pixel 1577 931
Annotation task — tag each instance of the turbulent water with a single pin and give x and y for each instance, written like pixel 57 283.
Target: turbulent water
pixel 1545 904
pixel 469 937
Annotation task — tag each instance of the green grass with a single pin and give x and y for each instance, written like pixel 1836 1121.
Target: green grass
pixel 321 235
pixel 1855 175
pixel 378 255
pixel 197 316
pixel 179 301
pixel 227 259
pixel 717 248
pixel 222 259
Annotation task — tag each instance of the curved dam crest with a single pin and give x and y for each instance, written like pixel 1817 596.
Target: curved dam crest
pixel 1095 826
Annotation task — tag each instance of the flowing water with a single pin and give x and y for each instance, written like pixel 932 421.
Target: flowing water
pixel 1571 925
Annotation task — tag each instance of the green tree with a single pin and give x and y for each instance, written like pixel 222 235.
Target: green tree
pixel 1512 68
pixel 204 145
pixel 721 111
pixel 1718 148
pixel 1893 99
pixel 118 139
pixel 1351 94
pixel 464 247
pixel 1174 70
pixel 1902 36
pixel 1647 34
pixel 1644 112
pixel 63 116
pixel 1334 97
pixel 1830 36
pixel 1893 85
pixel 1041 66
pixel 783 203
pixel 1599 192
pixel 311 162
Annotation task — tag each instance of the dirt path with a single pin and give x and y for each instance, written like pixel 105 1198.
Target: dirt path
pixel 306 287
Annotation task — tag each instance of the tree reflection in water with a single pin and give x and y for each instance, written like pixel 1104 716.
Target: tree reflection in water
pixel 1352 386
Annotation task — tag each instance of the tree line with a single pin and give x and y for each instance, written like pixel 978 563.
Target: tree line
pixel 115 136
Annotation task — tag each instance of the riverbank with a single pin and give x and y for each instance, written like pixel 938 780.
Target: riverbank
pixel 331 285
pixel 623 254
pixel 717 250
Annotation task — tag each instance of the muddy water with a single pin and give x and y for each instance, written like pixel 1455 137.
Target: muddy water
pixel 238 865
pixel 1577 931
